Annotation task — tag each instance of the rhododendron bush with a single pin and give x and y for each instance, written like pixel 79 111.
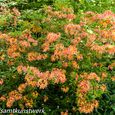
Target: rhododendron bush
pixel 61 62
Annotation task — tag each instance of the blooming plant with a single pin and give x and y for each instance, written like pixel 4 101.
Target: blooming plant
pixel 66 59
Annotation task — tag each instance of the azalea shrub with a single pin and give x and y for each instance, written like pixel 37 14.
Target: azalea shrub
pixel 60 61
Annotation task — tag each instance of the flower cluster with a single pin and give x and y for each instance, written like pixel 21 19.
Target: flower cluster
pixel 72 29
pixel 51 37
pixel 85 86
pixel 65 13
pixel 32 56
pixel 87 107
pixel 17 46
pixel 103 40
pixel 35 78
pixel 62 52
pixel 65 59
pixel 12 97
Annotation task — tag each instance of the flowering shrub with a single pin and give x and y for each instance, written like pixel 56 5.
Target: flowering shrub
pixel 64 59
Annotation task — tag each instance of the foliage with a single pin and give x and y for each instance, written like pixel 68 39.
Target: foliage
pixel 57 57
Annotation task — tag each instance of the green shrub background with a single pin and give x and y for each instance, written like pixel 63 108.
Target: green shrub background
pixel 32 16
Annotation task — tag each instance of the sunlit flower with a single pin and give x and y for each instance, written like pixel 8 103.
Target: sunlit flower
pixel 113 78
pixel 65 89
pixel 92 76
pixel 96 103
pixel 64 113
pixel 51 37
pixel 103 87
pixel 104 75
pixel 1 81
pixel 42 84
pixel 22 87
pixel 2 98
pixel 87 108
pixel 75 65
pixel 35 94
pixel 84 86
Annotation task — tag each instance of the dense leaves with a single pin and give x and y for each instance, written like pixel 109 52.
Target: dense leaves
pixel 58 57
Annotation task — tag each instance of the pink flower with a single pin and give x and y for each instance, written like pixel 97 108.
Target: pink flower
pixel 1 81
pixel 70 16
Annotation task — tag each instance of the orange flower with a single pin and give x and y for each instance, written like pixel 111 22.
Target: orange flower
pixel 81 100
pixel 1 81
pixel 2 98
pixel 15 95
pixel 111 50
pixel 10 102
pixel 65 89
pixel 24 43
pixel 65 64
pixel 2 57
pixel 45 46
pixel 32 56
pixel 84 86
pixel 28 104
pixel 104 75
pixel 57 75
pixel 88 108
pixel 75 41
pixel 103 87
pixel 52 37
pixel 10 62
pixel 96 103
pixel 93 76
pixel 113 78
pixel 72 29
pixel 42 84
pixel 32 83
pixel 70 16
pixel 64 113
pixel 19 69
pixel 22 87
pixel 75 65
pixel 79 57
